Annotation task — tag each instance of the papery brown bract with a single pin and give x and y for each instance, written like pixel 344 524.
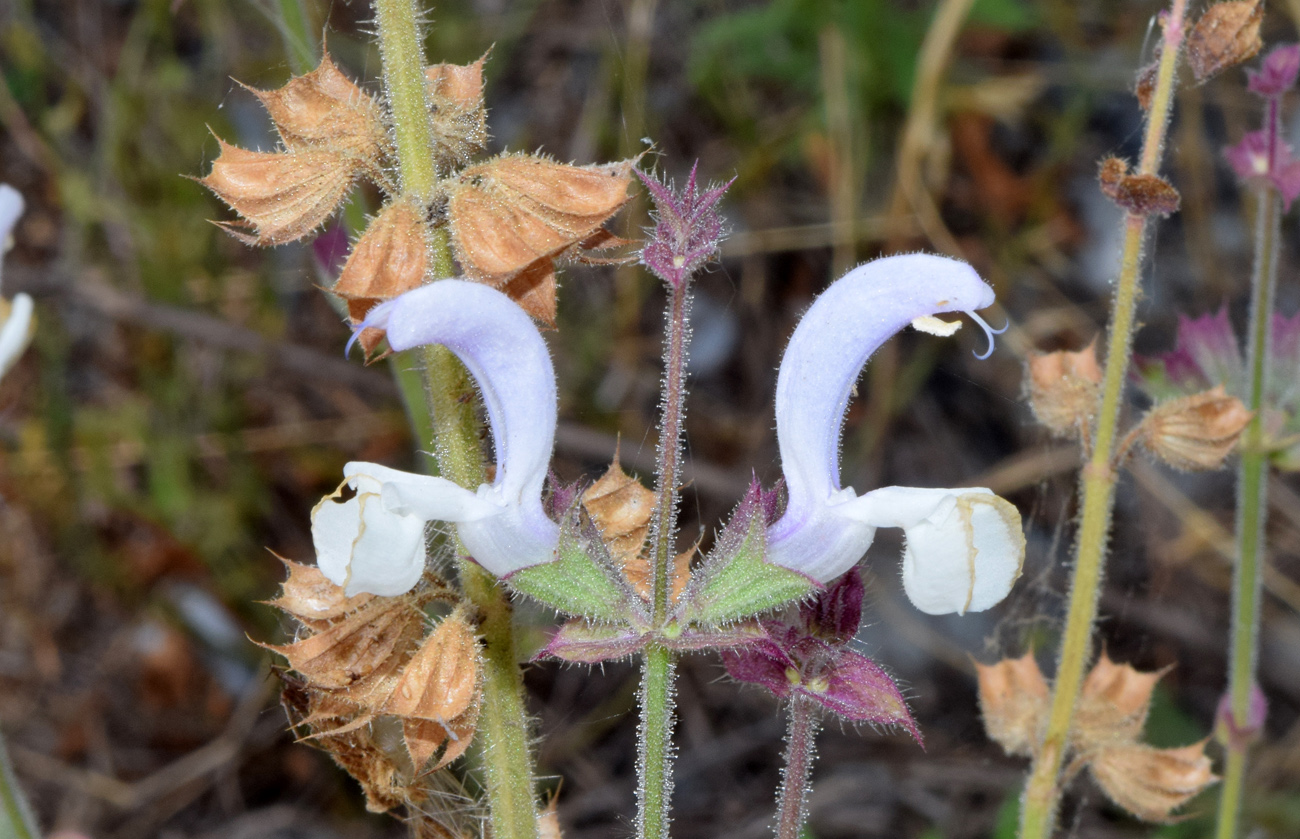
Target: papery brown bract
pixel 311 598
pixel 1013 699
pixel 325 109
pixel 1196 432
pixel 1151 783
pixel 456 110
pixel 1226 34
pixel 1113 703
pixel 1063 387
pixel 390 259
pixel 1140 194
pixel 281 196
pixel 515 214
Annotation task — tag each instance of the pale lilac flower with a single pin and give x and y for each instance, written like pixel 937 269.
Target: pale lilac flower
pixel 16 330
pixel 964 546
pixel 374 541
pixel 1277 72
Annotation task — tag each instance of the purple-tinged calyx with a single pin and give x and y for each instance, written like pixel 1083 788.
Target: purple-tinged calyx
pixel 374 541
pixel 1235 733
pixel 686 230
pixel 965 547
pixel 1252 161
pixel 808 655
pixel 1277 72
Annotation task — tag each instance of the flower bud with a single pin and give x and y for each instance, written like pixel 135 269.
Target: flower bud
pixel 1195 432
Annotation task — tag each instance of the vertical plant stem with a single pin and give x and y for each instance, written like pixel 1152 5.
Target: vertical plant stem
pixel 655 743
pixel 1252 506
pixel 16 821
pixel 799 750
pixel 503 720
pixel 408 104
pixel 654 756
pixel 1042 789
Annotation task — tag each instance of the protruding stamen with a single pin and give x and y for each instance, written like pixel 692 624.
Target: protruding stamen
pixel 989 331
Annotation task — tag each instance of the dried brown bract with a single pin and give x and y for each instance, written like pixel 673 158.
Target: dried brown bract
pixel 1013 699
pixel 1113 704
pixel 1141 194
pixel 1227 34
pixel 390 258
pixel 1112 708
pixel 515 214
pixel 456 109
pixel 282 197
pixel 1195 432
pixel 326 110
pixel 1145 87
pixel 388 702
pixel 1151 783
pixel 621 509
pixel 332 133
pixel 1063 387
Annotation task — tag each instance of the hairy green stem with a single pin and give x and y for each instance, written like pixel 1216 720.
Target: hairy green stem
pixel 16 820
pixel 1043 788
pixel 408 104
pixel 654 756
pixel 503 719
pixel 654 743
pixel 792 806
pixel 1252 507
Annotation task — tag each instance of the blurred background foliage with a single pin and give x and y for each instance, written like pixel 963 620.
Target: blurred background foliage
pixel 186 403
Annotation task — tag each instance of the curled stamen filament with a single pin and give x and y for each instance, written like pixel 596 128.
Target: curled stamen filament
pixel 989 331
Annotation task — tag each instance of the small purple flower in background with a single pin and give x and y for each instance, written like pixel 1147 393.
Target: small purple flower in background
pixel 1277 73
pixel 1207 353
pixel 807 654
pixel 686 228
pixel 1263 156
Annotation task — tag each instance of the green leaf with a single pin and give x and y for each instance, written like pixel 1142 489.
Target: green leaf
pixel 582 580
pixel 736 580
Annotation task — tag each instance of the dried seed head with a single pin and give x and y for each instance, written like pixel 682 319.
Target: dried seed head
pixel 456 109
pixel 282 197
pixel 1062 388
pixel 1113 704
pixel 326 110
pixel 516 213
pixel 1141 195
pixel 548 823
pixel 1013 699
pixel 1227 34
pixel 1195 432
pixel 1151 783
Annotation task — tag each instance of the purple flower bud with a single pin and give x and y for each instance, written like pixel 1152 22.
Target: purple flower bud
pixel 836 613
pixel 1277 74
pixel 1249 158
pixel 686 228
pixel 808 655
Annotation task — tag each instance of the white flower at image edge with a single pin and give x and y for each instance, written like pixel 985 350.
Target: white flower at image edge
pixel 16 330
pixel 373 542
pixel 964 547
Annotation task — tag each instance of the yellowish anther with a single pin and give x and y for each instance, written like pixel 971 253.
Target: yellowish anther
pixel 679 261
pixel 932 325
pixel 792 675
pixel 818 685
